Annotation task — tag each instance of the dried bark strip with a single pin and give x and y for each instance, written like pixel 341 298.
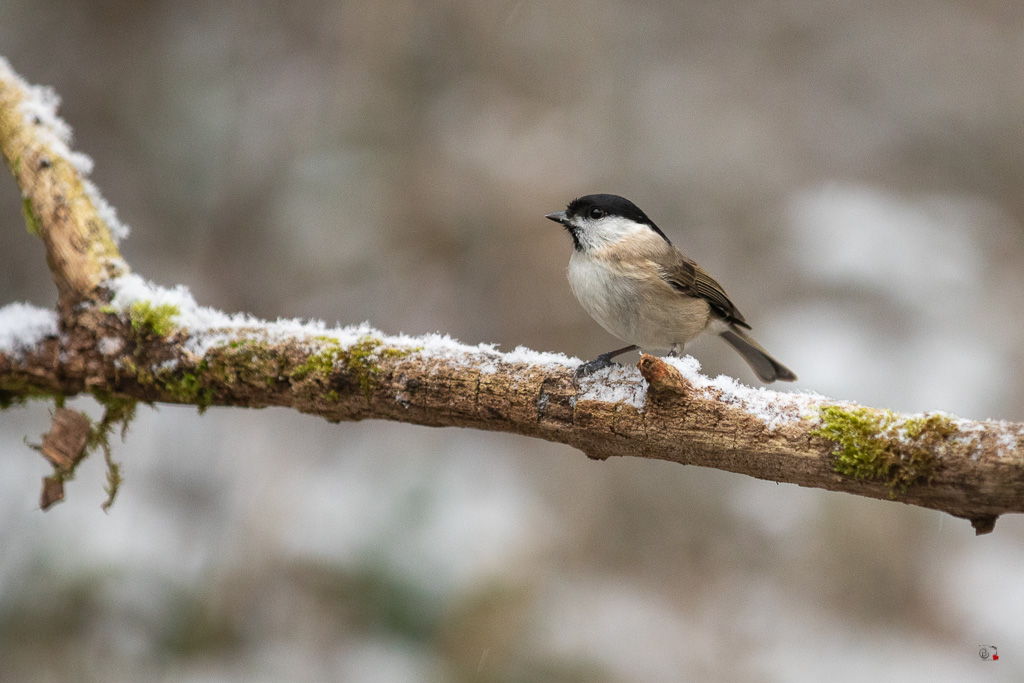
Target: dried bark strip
pixel 64 444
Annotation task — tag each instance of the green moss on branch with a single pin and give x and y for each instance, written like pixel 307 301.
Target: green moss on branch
pixel 31 222
pixel 360 360
pixel 148 319
pixel 877 445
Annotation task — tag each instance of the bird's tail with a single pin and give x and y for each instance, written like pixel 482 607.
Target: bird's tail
pixel 760 361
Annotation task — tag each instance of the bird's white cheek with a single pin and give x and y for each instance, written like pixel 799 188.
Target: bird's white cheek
pixel 604 232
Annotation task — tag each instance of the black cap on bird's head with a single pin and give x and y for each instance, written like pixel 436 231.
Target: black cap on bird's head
pixel 595 207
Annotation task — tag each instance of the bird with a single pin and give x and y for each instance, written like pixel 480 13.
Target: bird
pixel 639 287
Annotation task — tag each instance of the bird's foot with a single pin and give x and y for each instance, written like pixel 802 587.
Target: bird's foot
pixel 590 367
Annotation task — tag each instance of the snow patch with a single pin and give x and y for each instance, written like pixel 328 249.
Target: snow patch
pixel 39 110
pixel 521 354
pixel 210 328
pixel 23 326
pixel 106 212
pixel 1008 435
pixel 774 408
pixel 615 384
pixel 169 365
pixel 110 346
pixel 1008 440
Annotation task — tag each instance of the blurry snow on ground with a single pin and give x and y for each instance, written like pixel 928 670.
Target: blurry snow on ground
pixel 930 262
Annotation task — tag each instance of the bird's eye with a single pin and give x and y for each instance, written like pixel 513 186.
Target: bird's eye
pixel 596 213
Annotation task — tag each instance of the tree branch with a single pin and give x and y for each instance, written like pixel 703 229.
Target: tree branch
pixel 125 339
pixel 59 203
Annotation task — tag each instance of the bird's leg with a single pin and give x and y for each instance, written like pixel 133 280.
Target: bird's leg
pixel 674 352
pixel 602 361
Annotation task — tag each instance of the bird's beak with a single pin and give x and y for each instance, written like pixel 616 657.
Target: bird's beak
pixel 558 217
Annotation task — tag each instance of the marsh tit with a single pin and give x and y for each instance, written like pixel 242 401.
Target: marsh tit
pixel 638 286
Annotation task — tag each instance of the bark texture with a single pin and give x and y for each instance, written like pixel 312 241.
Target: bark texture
pixel 79 248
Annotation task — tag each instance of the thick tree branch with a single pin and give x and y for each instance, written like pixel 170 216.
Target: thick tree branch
pixel 122 338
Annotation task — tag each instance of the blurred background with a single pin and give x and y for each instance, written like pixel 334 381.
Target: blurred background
pixel 850 171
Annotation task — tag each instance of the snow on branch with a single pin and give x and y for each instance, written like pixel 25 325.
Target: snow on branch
pixel 61 206
pixel 125 340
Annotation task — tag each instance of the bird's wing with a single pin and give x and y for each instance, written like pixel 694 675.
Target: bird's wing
pixel 688 278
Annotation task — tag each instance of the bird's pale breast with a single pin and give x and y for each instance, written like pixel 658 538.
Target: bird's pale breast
pixel 628 297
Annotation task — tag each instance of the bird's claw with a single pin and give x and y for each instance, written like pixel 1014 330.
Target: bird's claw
pixel 593 366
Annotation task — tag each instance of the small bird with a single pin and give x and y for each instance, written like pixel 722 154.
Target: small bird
pixel 638 286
